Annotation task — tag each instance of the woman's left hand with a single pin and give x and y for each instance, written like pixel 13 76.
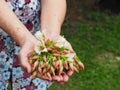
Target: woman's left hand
pixel 60 78
pixel 64 78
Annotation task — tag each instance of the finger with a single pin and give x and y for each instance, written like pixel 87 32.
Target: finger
pixel 65 78
pixel 29 55
pixel 43 77
pixel 69 73
pixel 26 66
pixel 61 78
pixel 61 82
pixel 56 78
pixel 24 63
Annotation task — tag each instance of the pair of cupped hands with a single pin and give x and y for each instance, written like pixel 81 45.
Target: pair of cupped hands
pixel 28 47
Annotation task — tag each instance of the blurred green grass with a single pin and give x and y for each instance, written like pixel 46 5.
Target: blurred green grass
pixel 96 40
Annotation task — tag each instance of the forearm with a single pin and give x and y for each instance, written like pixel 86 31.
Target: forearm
pixel 11 24
pixel 52 16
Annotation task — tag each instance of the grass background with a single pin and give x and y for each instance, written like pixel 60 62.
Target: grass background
pixel 96 40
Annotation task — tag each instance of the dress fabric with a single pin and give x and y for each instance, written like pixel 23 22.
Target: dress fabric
pixel 11 74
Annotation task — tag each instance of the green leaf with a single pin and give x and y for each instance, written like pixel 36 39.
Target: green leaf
pixel 50 44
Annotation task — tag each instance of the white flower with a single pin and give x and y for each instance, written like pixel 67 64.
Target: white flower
pixel 42 86
pixel 40 47
pixel 9 4
pixel 2 86
pixel 17 49
pixel 61 39
pixel 60 42
pixel 33 4
pixel 16 86
pixel 9 62
pixel 39 35
pixel 70 57
pixel 5 60
pixel 3 66
pixel 48 83
pixel 6 75
pixel 17 72
pixel 3 33
pixel 22 89
pixel 3 55
pixel 21 3
pixel 36 81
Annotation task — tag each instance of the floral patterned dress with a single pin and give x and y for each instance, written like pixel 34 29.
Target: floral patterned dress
pixel 11 74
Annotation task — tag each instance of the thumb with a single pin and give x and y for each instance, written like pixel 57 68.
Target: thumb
pixel 27 66
pixel 24 63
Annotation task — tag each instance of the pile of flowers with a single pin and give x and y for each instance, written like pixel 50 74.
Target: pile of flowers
pixel 53 58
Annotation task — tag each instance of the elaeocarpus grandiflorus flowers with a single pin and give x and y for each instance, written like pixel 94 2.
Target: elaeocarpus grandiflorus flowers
pixel 52 58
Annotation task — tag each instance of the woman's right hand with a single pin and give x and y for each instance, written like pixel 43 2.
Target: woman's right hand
pixel 26 49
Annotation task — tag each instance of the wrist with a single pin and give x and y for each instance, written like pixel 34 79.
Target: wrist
pixel 27 37
pixel 53 37
pixel 51 34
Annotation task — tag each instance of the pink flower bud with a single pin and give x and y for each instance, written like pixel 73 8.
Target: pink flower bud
pixel 56 54
pixel 34 57
pixel 81 65
pixel 71 66
pixel 49 76
pixel 66 51
pixel 44 70
pixel 54 58
pixel 70 72
pixel 43 65
pixel 35 65
pixel 60 63
pixel 49 49
pixel 45 59
pixel 75 69
pixel 60 70
pixel 31 61
pixel 66 65
pixel 54 64
pixel 52 70
pixel 34 74
pixel 47 67
pixel 40 70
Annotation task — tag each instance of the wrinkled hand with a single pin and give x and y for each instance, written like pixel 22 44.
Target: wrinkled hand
pixel 60 78
pixel 24 54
